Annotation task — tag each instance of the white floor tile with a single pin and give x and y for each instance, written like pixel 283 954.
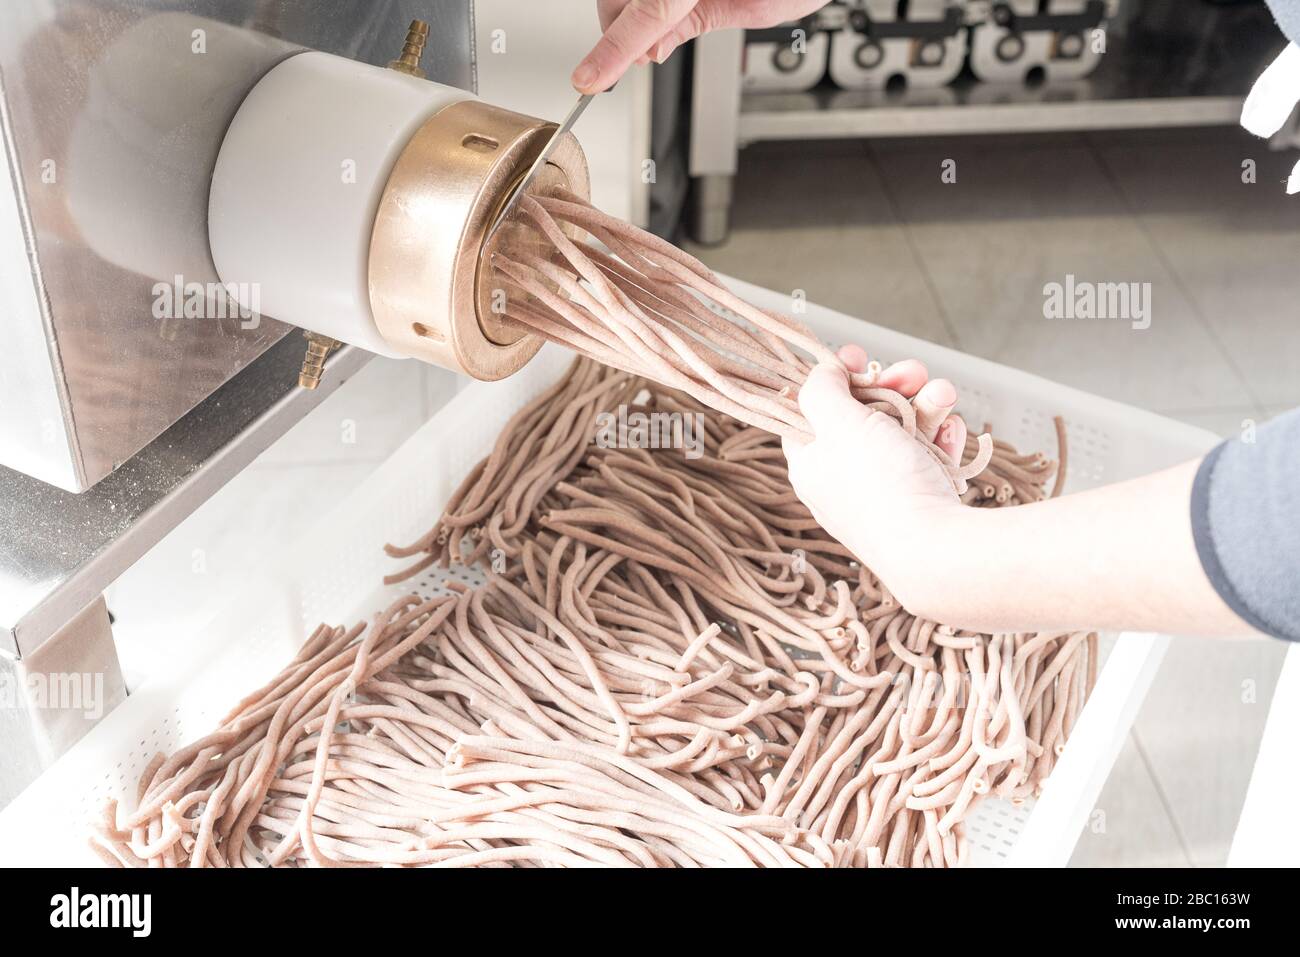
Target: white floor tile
pixel 1020 218
pixel 1232 245
pixel 820 222
pixel 1201 726
pixel 1227 423
pixel 1129 827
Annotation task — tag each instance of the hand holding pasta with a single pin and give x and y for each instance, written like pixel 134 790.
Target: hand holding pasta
pixel 867 481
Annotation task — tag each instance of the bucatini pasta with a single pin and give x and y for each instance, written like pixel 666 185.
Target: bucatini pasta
pixel 645 309
pixel 670 663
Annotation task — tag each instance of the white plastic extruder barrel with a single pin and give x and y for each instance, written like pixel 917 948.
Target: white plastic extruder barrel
pixel 298 183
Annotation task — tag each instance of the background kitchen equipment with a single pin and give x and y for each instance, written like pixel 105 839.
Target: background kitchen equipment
pixel 921 44
pixel 1027 41
pixel 1013 66
pixel 787 58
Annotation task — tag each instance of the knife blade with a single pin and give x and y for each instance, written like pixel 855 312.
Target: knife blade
pixel 547 150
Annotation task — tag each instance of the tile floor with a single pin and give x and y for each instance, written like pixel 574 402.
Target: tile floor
pixel 868 229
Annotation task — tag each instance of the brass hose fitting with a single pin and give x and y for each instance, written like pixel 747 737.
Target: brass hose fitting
pixel 313 366
pixel 412 50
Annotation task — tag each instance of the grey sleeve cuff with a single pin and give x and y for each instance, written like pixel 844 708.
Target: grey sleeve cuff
pixel 1246 525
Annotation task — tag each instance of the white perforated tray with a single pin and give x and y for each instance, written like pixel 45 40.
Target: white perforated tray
pixel 334 576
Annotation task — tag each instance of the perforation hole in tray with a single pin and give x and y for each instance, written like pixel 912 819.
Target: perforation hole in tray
pixel 121 781
pixel 433 582
pixel 993 828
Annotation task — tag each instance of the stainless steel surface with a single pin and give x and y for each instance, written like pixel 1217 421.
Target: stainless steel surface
pixel 58 550
pixel 112 113
pixel 538 164
pixel 50 699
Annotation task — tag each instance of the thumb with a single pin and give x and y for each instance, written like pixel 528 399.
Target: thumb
pixel 638 28
pixel 826 402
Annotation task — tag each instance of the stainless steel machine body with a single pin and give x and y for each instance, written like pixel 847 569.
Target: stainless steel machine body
pixel 128 370
pixel 113 114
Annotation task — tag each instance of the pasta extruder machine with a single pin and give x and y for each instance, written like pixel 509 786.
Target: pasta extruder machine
pixel 187 180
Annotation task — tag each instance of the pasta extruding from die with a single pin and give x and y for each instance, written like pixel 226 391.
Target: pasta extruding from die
pixel 649 309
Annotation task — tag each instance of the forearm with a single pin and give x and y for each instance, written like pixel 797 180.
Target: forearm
pixel 1117 557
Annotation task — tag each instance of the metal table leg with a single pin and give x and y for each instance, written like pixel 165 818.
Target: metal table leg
pixel 715 118
pixel 52 697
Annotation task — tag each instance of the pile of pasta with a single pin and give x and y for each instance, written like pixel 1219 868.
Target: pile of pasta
pixel 669 664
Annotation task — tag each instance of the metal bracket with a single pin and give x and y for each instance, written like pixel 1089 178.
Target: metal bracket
pixel 951 24
pixel 835 17
pixel 810 25
pixel 50 698
pixel 1091 17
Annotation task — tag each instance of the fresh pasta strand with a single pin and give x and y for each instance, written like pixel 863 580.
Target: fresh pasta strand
pixel 659 312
